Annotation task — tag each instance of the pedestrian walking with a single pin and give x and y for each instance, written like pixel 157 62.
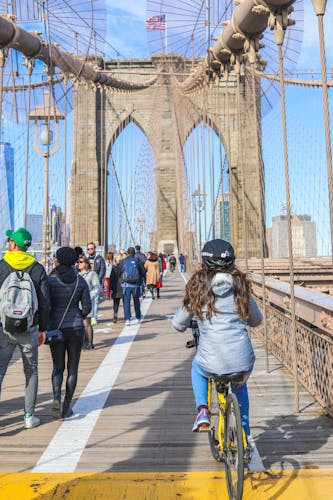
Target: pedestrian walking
pixel 70 305
pixel 152 273
pixel 98 265
pixel 109 262
pixel 172 262
pixel 131 272
pixel 142 258
pixel 15 264
pixel 116 290
pixel 93 284
pixel 181 260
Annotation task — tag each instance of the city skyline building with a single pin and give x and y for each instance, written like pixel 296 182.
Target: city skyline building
pixel 222 222
pixel 304 237
pixel 57 226
pixel 35 227
pixel 7 198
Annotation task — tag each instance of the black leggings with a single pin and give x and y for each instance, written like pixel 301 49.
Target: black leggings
pixel 116 303
pixel 72 344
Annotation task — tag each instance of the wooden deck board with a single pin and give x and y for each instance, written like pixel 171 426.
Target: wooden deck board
pixel 147 419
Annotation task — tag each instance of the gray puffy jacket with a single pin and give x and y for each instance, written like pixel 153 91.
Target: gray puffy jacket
pixel 224 345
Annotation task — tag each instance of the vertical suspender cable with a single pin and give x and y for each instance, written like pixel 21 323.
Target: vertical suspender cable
pixel 241 162
pixel 279 37
pixel 2 64
pixel 29 65
pixel 65 165
pixel 252 58
pixel 320 11
pixel 232 217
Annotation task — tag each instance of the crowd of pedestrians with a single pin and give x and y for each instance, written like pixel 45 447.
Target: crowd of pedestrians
pixel 65 302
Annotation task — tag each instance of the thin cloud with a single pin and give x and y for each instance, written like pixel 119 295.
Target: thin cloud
pixel 137 9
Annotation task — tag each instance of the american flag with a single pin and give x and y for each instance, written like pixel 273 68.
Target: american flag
pixel 156 23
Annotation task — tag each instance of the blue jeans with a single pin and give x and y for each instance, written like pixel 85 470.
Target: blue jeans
pixel 200 389
pixel 181 268
pixel 28 345
pixel 94 306
pixel 128 292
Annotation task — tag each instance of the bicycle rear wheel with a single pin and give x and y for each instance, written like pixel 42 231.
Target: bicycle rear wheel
pixel 215 431
pixel 233 449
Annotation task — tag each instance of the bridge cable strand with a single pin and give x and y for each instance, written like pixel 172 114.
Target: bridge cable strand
pixel 122 199
pixel 294 81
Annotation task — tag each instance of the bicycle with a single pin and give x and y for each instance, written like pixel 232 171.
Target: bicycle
pixel 227 438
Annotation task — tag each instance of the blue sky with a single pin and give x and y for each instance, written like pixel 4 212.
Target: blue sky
pixel 305 123
pixel 126 33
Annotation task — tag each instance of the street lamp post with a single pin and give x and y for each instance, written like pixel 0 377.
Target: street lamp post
pixel 42 117
pixel 141 221
pixel 199 203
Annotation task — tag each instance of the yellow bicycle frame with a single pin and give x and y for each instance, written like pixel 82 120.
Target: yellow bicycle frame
pixel 222 407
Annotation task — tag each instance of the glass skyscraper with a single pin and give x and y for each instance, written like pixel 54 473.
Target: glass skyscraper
pixel 7 200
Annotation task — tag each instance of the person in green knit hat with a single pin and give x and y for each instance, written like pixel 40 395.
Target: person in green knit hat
pixel 15 259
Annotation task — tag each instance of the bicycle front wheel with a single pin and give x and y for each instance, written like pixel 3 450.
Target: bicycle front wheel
pixel 233 449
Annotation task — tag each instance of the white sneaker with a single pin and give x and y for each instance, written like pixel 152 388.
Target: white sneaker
pixel 30 422
pixel 134 321
pixel 93 321
pixel 256 463
pixel 127 322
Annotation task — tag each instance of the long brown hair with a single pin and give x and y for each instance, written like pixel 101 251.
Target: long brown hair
pixel 199 294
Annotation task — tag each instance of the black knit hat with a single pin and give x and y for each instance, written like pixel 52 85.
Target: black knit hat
pixel 78 251
pixel 218 253
pixel 66 256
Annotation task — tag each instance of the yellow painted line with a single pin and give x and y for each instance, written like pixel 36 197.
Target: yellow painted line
pixel 312 484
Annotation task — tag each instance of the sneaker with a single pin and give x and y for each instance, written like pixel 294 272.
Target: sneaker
pixel 31 421
pixel 89 346
pixel 255 464
pixel 56 414
pixel 134 321
pixel 93 321
pixel 127 322
pixel 202 422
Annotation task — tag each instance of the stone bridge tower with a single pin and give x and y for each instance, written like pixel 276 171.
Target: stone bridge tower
pixel 166 117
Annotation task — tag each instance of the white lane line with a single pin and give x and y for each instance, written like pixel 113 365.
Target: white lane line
pixel 67 445
pixel 184 277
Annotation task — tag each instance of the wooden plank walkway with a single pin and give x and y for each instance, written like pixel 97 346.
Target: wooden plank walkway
pixel 145 424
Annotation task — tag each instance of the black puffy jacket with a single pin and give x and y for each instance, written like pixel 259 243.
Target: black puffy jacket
pixel 61 284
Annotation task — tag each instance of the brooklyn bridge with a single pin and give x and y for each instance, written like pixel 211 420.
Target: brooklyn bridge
pixel 217 126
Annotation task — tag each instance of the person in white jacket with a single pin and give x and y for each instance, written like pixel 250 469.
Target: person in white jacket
pixel 218 296
pixel 92 280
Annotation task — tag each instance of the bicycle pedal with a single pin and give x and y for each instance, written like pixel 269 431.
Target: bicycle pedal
pixel 190 343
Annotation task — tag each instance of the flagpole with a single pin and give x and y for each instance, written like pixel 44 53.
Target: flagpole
pixel 166 35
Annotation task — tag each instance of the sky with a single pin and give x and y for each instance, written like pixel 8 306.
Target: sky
pixel 305 122
pixel 127 38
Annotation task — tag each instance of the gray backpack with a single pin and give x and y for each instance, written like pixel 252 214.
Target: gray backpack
pixel 18 302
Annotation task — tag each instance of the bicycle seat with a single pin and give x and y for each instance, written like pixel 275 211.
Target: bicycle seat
pixel 237 379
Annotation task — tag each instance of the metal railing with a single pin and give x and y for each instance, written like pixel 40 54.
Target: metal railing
pixel 314 336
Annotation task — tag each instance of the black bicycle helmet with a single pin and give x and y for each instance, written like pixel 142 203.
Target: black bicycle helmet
pixel 218 253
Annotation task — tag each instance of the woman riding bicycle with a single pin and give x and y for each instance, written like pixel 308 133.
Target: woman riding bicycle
pixel 218 295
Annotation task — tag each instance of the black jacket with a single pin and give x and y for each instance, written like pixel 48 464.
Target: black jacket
pixel 117 291
pixel 39 278
pixel 62 283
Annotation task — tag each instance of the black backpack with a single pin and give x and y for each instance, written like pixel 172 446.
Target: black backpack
pixel 131 272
